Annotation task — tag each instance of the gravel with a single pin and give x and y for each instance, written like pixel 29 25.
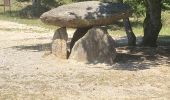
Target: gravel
pixel 29 72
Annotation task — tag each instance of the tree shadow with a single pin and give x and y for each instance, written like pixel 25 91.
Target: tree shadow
pixel 128 58
pixel 141 58
pixel 164 40
pixel 34 47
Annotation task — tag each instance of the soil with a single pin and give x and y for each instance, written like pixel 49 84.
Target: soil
pixel 29 72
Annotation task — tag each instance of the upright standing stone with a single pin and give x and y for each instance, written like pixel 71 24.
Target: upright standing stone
pixel 79 33
pixel 96 46
pixel 59 43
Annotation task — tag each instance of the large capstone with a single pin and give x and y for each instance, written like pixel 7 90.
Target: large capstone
pixel 96 46
pixel 86 14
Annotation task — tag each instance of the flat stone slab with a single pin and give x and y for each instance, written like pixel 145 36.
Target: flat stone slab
pixel 86 14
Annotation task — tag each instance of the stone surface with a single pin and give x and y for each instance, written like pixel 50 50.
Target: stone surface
pixel 96 46
pixel 59 43
pixel 79 33
pixel 85 14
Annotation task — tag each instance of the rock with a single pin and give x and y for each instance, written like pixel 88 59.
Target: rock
pixel 96 46
pixel 59 43
pixel 79 33
pixel 86 14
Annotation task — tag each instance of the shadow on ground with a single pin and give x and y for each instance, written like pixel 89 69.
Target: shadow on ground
pixel 141 58
pixel 164 40
pixel 128 58
pixel 34 48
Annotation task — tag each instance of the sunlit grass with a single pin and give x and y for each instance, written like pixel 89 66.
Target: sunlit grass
pixel 14 17
pixel 34 22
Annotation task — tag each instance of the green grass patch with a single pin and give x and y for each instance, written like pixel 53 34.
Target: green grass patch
pixel 32 22
pixel 14 16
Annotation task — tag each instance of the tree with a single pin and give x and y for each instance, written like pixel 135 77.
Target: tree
pixel 152 23
pixel 37 8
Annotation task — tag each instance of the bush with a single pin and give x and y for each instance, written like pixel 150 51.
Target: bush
pixel 137 6
pixel 32 12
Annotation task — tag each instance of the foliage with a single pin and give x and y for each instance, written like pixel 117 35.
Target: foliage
pixel 137 7
pixel 31 11
pixel 166 5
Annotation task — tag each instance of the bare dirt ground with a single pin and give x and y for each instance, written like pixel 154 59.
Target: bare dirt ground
pixel 27 72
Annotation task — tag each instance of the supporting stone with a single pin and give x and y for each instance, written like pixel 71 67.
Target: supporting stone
pixel 59 43
pixel 79 33
pixel 96 46
pixel 130 35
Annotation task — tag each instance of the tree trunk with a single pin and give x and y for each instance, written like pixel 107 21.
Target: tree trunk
pixel 36 4
pixel 152 23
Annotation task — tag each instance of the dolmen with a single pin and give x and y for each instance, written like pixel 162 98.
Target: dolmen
pixel 91 42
